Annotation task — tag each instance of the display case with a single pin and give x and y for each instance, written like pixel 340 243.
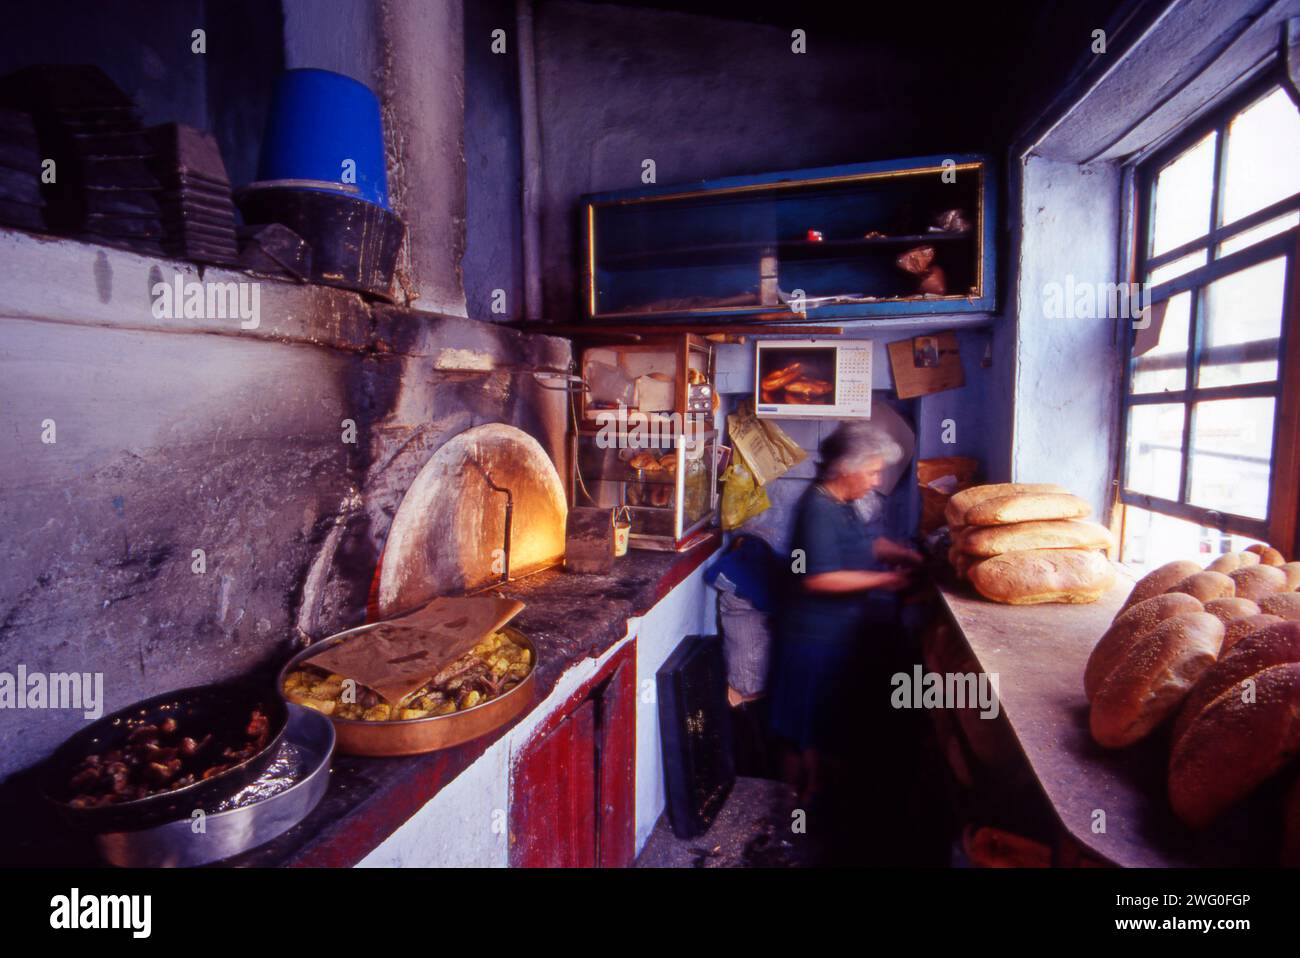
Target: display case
pixel 670 489
pixel 645 437
pixel 655 378
pixel 902 238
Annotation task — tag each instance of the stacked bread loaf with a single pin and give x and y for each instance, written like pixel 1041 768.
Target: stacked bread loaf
pixel 1217 651
pixel 1025 543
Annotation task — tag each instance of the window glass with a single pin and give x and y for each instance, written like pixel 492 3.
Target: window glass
pixel 1243 321
pixel 1262 156
pixel 1178 267
pixel 1257 234
pixel 1182 201
pixel 1151 539
pixel 1155 442
pixel 1232 443
pixel 1163 367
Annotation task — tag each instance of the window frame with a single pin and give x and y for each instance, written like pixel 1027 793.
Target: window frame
pixel 1279 526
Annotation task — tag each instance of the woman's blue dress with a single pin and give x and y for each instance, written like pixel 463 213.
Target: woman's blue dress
pixel 824 649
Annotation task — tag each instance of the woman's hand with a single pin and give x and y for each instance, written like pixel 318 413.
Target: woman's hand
pixel 857 580
pixel 887 550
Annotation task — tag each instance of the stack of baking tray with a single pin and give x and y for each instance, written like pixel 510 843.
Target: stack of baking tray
pixel 198 213
pixel 76 110
pixel 21 203
pixel 121 192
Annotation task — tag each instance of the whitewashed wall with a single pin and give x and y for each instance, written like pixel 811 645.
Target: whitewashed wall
pixel 465 824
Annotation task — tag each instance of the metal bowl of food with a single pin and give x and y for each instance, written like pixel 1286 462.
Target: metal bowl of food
pixel 162 758
pixel 281 797
pixel 413 736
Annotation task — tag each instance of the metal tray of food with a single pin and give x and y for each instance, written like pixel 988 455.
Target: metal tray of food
pixel 419 735
pixel 281 797
pixel 204 736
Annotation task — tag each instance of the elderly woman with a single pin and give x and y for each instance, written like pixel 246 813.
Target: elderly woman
pixel 826 627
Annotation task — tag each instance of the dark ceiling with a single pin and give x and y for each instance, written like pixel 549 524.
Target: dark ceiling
pixel 1019 53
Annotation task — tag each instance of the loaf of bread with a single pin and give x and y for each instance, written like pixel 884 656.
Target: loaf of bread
pixel 1159 580
pixel 955 510
pixel 1229 610
pixel 1237 740
pixel 1043 575
pixel 1207 586
pixel 1026 507
pixel 1127 629
pixel 1147 685
pixel 1232 561
pixel 1292 572
pixel 1291 826
pixel 1264 647
pixel 1267 554
pixel 1284 605
pixel 1237 630
pixel 988 541
pixel 1255 582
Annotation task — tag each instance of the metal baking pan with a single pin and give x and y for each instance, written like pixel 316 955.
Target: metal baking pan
pixel 304 756
pixel 417 736
pixel 220 709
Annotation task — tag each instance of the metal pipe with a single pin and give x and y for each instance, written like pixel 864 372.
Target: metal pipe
pixel 531 162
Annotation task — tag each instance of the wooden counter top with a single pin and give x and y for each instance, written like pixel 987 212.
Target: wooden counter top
pixel 1039 653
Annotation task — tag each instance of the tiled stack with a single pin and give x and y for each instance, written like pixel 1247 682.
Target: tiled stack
pixel 120 189
pixel 198 213
pixel 21 203
pixel 84 123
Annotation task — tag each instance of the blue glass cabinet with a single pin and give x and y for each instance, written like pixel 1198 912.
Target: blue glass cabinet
pixel 899 238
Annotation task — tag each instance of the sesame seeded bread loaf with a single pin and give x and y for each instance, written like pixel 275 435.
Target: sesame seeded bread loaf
pixel 1127 629
pixel 1207 586
pixel 1159 580
pixel 1257 581
pixel 1147 685
pixel 1241 729
pixel 1229 610
pixel 1238 629
pixel 1267 555
pixel 1284 605
pixel 1230 562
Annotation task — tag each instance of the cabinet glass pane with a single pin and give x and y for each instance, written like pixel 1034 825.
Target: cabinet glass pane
pixel 1182 200
pixel 833 240
pixel 1164 367
pixel 1262 156
pixel 1243 320
pixel 1155 441
pixel 1232 444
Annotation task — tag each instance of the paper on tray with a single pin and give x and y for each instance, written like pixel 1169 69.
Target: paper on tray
pixel 398 656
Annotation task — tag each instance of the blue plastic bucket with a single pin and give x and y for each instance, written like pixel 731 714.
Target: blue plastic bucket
pixel 323 129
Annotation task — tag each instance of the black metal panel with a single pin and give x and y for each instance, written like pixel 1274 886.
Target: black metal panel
pixel 695 726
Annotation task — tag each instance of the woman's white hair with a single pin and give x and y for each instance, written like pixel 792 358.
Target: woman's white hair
pixel 853 446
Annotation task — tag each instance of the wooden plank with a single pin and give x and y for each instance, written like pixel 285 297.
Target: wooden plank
pixel 553 801
pixel 1038 653
pixel 616 753
pixel 1284 493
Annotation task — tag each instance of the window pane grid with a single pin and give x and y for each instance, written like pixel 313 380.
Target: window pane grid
pixel 1189 264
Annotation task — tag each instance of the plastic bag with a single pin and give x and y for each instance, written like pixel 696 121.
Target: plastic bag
pixel 742 496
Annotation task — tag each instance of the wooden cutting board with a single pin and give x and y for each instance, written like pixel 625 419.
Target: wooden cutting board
pixel 396 657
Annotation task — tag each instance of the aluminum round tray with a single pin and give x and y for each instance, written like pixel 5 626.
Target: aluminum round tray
pixel 417 736
pixel 227 833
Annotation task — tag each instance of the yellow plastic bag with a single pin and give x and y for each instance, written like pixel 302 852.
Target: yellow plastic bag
pixel 742 496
